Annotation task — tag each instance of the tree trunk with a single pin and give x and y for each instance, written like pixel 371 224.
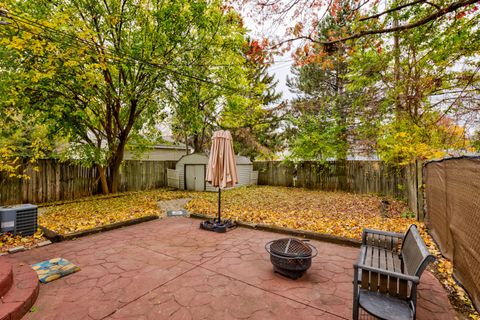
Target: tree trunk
pixel 103 179
pixel 115 175
pixel 197 143
pixel 186 143
pixel 341 104
pixel 114 167
pixel 396 67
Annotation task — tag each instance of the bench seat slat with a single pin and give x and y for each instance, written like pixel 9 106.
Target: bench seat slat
pixel 368 262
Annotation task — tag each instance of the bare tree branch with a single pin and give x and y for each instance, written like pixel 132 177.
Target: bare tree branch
pixel 437 14
pixel 392 10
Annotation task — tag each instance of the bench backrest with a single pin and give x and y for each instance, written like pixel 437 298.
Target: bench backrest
pixel 414 252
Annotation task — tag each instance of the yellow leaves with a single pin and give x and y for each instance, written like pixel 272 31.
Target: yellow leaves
pixel 70 63
pixel 17 43
pixel 335 213
pixel 8 241
pixel 99 211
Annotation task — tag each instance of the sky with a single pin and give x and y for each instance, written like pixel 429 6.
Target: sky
pixel 281 69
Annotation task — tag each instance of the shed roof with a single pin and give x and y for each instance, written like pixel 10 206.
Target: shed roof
pixel 238 159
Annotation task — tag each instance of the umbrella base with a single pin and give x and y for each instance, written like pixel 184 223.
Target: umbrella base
pixel 220 227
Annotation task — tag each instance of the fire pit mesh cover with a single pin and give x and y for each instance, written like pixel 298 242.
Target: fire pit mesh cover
pixel 290 247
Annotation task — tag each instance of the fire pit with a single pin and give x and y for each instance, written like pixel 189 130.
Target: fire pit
pixel 291 257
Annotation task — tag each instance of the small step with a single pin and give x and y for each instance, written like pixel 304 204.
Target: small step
pixel 23 292
pixel 6 276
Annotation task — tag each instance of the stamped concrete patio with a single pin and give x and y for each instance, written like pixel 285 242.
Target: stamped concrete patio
pixel 169 269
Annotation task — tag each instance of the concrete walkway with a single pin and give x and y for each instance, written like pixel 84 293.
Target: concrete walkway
pixel 169 269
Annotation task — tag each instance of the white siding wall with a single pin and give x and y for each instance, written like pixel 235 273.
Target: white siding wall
pixel 243 172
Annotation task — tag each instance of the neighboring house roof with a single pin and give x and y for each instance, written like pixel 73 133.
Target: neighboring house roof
pixel 167 146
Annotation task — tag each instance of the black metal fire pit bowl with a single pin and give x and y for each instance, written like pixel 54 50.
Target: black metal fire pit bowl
pixel 216 226
pixel 291 257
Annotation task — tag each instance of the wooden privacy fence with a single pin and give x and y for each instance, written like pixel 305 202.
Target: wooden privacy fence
pixel 52 181
pixel 57 181
pixel 351 176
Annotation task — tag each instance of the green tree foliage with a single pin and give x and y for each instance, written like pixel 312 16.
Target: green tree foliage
pixel 196 105
pixel 404 93
pixel 322 115
pixel 99 73
pixel 476 141
pixel 415 83
pixel 256 125
pixel 199 108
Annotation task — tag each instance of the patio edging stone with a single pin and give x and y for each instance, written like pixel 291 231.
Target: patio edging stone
pixel 58 237
pixel 293 232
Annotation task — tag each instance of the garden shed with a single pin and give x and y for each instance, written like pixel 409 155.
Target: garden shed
pixel 190 171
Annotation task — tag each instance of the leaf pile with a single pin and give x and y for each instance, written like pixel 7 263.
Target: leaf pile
pixel 8 241
pixel 336 213
pixel 95 212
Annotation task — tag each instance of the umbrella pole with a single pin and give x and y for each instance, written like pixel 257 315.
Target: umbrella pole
pixel 219 199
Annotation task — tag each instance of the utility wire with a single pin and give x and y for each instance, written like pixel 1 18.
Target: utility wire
pixel 114 55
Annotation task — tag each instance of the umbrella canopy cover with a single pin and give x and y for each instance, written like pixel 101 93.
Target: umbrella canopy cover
pixel 222 168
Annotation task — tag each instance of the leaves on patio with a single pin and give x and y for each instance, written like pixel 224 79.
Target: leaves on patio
pixel 335 213
pixel 94 212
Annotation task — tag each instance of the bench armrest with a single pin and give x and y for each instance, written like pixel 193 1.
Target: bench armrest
pixel 397 275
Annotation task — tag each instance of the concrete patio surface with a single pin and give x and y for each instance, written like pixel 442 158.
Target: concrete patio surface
pixel 170 269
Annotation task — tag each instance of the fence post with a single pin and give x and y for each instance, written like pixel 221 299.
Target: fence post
pixel 420 190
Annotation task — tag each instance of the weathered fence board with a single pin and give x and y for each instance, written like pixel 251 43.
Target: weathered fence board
pixel 55 181
pixel 143 175
pixel 350 176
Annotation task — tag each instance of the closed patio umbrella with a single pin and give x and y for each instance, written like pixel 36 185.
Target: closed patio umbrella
pixel 222 168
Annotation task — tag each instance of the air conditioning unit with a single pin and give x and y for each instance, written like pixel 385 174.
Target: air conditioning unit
pixel 19 219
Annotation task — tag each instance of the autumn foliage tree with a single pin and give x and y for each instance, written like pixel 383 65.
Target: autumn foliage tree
pixel 410 67
pixel 100 72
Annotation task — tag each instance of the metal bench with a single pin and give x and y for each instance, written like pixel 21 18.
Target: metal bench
pixel 388 272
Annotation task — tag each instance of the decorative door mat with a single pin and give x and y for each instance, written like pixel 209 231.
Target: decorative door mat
pixel 177 213
pixel 54 269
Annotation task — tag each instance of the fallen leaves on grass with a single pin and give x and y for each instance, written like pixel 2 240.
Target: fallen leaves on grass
pixel 84 215
pixel 8 241
pixel 336 213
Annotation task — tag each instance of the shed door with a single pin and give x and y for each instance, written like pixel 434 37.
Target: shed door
pixel 195 177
